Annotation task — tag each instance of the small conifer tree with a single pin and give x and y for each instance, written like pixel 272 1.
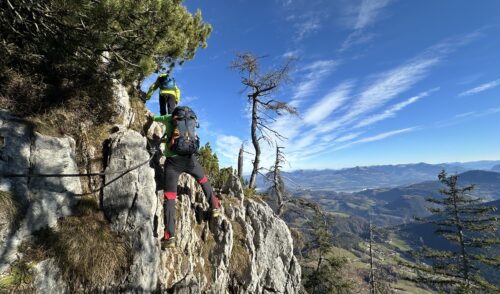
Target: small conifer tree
pixel 469 225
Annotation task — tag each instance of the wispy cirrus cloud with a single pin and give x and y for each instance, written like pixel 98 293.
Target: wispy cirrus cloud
pixel 463 117
pixel 291 54
pixel 386 87
pixel 377 137
pixel 390 84
pixel 348 137
pixel 311 76
pixel 228 147
pixel 366 14
pixel 356 38
pixel 332 101
pixel 369 10
pixel 481 88
pixel 391 111
pixel 307 27
pixel 285 3
pixel 339 119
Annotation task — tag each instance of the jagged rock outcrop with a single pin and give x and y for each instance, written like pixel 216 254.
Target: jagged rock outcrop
pixel 42 200
pixel 247 250
pixel 130 204
pixel 125 115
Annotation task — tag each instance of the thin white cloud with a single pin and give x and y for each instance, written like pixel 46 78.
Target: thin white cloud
pixel 348 137
pixel 465 114
pixel 304 29
pixel 291 54
pixel 463 117
pixel 285 3
pixel 356 38
pixel 377 137
pixel 332 101
pixel 367 14
pixel 310 77
pixel 227 148
pixel 481 88
pixel 393 83
pixel 337 120
pixel 384 89
pixel 391 111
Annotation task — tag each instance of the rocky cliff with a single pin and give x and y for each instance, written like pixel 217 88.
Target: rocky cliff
pixel 40 200
pixel 247 250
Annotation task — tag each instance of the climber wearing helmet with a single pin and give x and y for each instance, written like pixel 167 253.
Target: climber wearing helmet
pixel 170 94
pixel 181 145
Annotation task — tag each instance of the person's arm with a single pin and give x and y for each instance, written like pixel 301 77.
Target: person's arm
pixel 167 118
pixel 153 87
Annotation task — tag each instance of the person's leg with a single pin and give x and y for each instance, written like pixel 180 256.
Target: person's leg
pixel 163 104
pixel 171 102
pixel 197 172
pixel 170 194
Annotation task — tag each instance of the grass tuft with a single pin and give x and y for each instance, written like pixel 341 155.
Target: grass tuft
pixel 240 258
pixel 8 209
pixel 19 278
pixel 87 251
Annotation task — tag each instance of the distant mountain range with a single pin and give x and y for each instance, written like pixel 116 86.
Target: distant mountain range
pixel 391 206
pixel 372 177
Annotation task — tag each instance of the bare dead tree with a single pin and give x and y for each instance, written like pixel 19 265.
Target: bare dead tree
pixel 264 108
pixel 372 272
pixel 277 188
pixel 240 162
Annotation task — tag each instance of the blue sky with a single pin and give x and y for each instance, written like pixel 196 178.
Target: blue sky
pixel 376 81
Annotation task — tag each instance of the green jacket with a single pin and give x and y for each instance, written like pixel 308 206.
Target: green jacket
pixel 169 128
pixel 156 84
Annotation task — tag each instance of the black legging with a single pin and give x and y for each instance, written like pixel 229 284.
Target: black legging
pixel 167 100
pixel 174 166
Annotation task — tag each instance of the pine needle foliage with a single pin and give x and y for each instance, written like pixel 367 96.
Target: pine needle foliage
pixel 55 51
pixel 326 275
pixel 210 163
pixel 463 220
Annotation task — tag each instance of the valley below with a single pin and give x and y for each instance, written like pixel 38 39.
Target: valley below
pixel 392 210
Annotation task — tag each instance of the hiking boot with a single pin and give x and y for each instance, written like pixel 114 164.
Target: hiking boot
pixel 167 243
pixel 215 213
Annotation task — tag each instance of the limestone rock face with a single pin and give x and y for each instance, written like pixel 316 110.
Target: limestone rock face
pixel 130 204
pixel 125 115
pixel 48 278
pixel 233 187
pixel 43 199
pixel 247 250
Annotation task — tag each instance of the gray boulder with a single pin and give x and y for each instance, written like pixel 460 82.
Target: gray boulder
pixel 130 204
pixel 43 199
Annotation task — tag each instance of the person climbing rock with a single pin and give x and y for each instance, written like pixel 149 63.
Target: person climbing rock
pixel 170 94
pixel 181 145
